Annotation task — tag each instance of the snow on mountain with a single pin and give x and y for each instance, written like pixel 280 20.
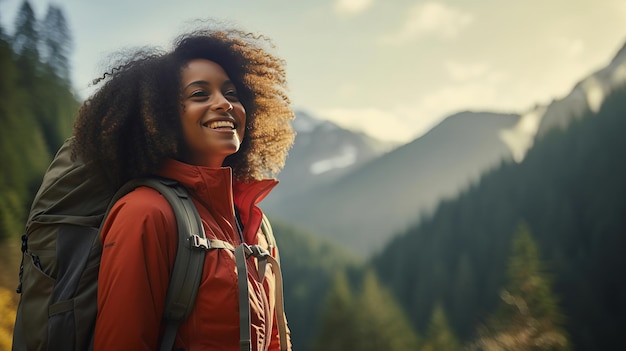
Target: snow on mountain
pixel 587 95
pixel 520 137
pixel 346 157
pixel 322 152
pixel 305 123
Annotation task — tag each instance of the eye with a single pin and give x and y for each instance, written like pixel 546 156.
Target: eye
pixel 199 94
pixel 231 94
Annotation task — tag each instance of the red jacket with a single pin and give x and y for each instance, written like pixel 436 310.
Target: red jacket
pixel 139 247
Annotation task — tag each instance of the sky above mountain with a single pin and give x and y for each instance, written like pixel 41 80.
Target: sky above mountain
pixel 392 69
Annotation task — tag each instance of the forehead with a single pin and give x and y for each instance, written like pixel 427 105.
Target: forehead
pixel 203 70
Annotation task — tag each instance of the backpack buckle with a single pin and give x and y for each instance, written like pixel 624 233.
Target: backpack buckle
pixel 199 242
pixel 256 251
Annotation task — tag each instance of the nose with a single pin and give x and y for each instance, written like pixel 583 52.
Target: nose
pixel 221 103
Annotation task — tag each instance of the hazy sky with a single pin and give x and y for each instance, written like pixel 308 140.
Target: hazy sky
pixel 392 68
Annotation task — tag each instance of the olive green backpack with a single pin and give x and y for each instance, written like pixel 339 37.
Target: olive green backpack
pixel 61 257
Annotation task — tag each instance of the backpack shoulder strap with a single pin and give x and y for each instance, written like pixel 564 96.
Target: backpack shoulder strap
pixel 266 229
pixel 192 246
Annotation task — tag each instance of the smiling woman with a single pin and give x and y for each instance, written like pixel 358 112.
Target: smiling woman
pixel 213 115
pixel 142 95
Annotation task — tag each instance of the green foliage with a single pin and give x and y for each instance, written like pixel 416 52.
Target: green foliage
pixel 25 40
pixel 309 266
pixel 57 42
pixel 439 336
pixel 371 320
pixel 570 191
pixel 528 281
pixel 37 109
pixel 340 330
pixel 528 317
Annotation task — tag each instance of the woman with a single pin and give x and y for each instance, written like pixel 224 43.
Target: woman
pixel 213 115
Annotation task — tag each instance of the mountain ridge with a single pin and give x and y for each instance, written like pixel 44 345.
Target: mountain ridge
pixel 352 204
pixel 368 203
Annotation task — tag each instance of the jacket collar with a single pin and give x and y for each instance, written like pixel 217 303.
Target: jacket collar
pixel 216 190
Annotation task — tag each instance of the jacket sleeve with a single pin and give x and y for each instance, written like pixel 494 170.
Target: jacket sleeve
pixel 137 258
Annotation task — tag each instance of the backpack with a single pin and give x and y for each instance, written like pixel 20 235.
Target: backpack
pixel 61 257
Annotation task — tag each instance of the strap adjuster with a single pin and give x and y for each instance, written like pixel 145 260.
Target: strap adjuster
pixel 199 242
pixel 255 250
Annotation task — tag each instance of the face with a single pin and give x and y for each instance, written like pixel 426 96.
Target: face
pixel 212 117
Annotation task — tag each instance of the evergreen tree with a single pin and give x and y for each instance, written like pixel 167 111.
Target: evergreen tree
pixel 386 327
pixel 57 42
pixel 370 321
pixel 25 44
pixel 3 35
pixel 464 293
pixel 36 114
pixel 338 329
pixel 528 318
pixel 25 39
pixel 20 131
pixel 439 336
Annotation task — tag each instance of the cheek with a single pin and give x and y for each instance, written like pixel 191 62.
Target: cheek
pixel 241 129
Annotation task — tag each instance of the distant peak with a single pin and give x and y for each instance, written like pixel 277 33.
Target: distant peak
pixel 621 55
pixel 305 123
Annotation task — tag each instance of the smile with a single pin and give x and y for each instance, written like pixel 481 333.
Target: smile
pixel 220 125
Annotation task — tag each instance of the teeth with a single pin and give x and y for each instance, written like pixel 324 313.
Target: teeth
pixel 221 124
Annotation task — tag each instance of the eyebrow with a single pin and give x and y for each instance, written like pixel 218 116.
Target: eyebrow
pixel 205 83
pixel 198 82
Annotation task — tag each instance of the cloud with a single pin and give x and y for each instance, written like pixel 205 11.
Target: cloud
pixel 352 7
pixel 456 97
pixel 430 109
pixel 431 18
pixel 406 121
pixel 462 72
pixel 381 124
pixel 571 47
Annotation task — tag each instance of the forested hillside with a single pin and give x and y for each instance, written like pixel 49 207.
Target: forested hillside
pixel 309 265
pixel 37 108
pixel 571 192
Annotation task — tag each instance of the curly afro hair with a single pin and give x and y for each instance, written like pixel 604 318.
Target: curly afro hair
pixel 130 125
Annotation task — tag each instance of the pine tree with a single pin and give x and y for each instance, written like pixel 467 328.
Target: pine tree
pixel 370 321
pixel 338 330
pixel 386 326
pixel 57 42
pixel 25 39
pixel 439 336
pixel 3 35
pixel 528 318
pixel 25 44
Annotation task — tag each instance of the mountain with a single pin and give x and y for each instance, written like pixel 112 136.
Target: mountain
pixel 587 95
pixel 322 152
pixel 364 208
pixel 570 192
